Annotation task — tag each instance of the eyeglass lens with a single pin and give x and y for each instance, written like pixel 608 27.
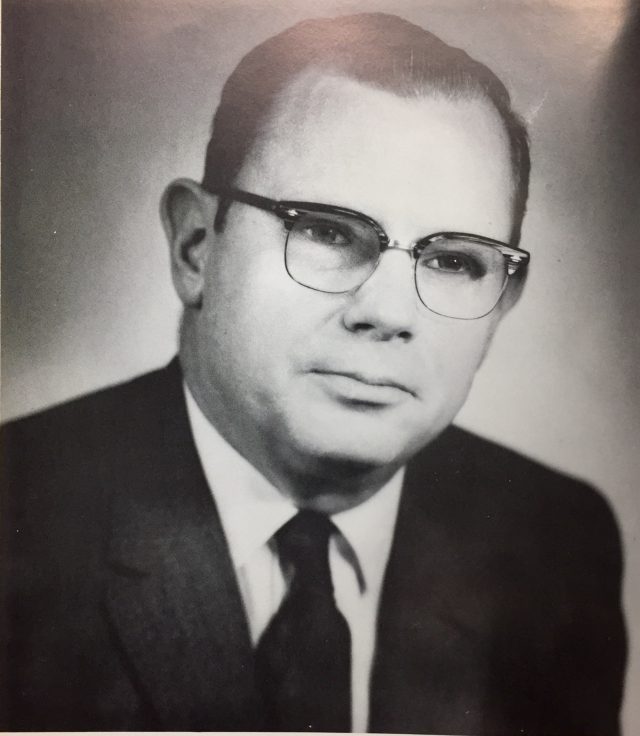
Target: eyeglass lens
pixel 336 253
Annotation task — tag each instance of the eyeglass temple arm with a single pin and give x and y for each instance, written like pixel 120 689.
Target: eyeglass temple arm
pixel 254 200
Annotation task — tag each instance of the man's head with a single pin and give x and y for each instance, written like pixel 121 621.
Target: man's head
pixel 314 386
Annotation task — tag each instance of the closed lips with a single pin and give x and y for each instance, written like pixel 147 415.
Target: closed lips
pixel 367 379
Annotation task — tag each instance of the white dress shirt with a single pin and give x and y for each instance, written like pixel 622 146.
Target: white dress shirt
pixel 252 511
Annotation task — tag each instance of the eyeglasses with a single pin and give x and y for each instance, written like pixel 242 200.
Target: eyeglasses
pixel 335 250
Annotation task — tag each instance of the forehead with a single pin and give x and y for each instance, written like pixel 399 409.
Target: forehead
pixel 430 161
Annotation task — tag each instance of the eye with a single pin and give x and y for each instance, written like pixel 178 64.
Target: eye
pixel 326 233
pixel 457 264
pixel 448 262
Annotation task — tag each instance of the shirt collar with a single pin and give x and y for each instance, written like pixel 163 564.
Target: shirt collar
pixel 252 510
pixel 369 529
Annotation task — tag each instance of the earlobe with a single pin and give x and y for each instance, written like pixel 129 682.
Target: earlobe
pixel 186 212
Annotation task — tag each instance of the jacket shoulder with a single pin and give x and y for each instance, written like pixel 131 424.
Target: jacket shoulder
pixel 524 503
pixel 506 471
pixel 59 466
pixel 90 410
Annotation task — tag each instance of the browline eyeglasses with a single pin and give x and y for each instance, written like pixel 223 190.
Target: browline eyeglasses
pixel 335 250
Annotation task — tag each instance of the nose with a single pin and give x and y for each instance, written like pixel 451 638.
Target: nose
pixel 385 306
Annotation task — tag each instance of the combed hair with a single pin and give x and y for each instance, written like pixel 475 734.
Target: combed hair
pixel 378 49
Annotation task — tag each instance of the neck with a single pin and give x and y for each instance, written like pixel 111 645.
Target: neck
pixel 330 487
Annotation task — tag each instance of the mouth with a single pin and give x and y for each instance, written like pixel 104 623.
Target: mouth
pixel 361 388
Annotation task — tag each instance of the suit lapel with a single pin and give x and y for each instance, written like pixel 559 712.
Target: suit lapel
pixel 431 669
pixel 171 589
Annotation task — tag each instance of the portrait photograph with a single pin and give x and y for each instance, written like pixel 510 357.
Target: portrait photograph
pixel 320 399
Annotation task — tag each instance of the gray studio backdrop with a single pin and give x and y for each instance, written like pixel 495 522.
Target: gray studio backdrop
pixel 106 100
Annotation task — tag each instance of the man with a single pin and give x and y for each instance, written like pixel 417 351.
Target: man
pixel 281 530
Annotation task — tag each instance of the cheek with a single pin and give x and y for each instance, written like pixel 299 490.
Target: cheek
pixel 258 315
pixel 455 351
pixel 242 281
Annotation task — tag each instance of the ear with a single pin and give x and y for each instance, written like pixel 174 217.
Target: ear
pixel 187 213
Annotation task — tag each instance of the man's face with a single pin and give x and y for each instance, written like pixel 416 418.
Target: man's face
pixel 368 376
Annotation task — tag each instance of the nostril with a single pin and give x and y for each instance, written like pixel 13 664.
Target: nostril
pixel 361 327
pixel 380 332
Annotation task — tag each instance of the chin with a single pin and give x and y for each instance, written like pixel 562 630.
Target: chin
pixel 355 441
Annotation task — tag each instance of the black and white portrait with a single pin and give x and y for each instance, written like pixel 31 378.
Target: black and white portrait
pixel 319 366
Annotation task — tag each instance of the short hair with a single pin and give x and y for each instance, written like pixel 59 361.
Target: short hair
pixel 378 49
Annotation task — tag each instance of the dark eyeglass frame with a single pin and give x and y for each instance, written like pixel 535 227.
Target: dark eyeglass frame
pixel 289 211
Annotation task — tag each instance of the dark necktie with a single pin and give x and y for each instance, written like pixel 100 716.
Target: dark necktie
pixel 303 660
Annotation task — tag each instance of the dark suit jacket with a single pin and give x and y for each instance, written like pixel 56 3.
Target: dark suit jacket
pixel 499 614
